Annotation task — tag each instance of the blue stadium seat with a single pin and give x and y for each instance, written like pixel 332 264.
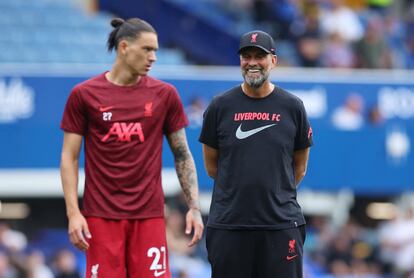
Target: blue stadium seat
pixel 51 31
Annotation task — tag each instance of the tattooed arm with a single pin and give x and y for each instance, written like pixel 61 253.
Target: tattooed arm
pixel 187 175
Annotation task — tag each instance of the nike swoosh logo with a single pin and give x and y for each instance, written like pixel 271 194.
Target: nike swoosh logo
pixel 103 108
pixel 240 134
pixel 291 257
pixel 157 274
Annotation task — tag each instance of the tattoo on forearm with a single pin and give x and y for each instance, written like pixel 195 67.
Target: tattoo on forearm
pixel 178 144
pixel 185 167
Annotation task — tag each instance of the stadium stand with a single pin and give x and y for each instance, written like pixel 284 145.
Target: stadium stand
pixel 56 32
pixel 210 29
pixel 47 31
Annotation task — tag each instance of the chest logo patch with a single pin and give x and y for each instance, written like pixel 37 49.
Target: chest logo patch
pixel 106 108
pixel 148 109
pixel 240 134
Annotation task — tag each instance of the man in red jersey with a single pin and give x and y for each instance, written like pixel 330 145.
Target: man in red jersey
pixel 122 116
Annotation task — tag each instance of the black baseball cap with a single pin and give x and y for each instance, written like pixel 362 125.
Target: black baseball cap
pixel 258 39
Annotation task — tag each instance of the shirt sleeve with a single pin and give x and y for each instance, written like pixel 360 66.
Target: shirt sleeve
pixel 175 118
pixel 74 115
pixel 304 136
pixel 208 133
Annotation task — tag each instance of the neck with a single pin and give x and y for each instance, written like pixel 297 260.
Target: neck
pixel 261 92
pixel 120 75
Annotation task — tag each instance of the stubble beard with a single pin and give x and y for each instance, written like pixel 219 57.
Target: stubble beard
pixel 255 82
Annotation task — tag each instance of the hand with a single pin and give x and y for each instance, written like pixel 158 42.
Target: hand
pixel 78 230
pixel 193 220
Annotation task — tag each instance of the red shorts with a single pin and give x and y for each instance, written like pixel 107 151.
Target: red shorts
pixel 127 248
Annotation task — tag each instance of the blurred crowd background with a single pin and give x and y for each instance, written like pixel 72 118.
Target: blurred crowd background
pixel 373 34
pixel 345 248
pixel 333 33
pixel 358 226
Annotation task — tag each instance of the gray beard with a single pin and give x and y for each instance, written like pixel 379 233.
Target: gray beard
pixel 255 82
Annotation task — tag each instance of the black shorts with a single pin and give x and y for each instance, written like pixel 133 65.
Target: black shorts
pixel 256 253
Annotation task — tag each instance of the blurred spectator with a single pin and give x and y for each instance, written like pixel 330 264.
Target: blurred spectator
pixel 319 234
pixel 361 268
pixel 64 265
pixel 356 5
pixel 6 269
pixel 261 11
pixel 372 51
pixel 409 53
pixel 350 253
pixel 341 20
pixel 278 14
pixel 375 117
pixel 379 5
pixel 394 37
pixel 339 252
pixel 339 268
pixel 337 53
pixel 182 262
pixel 177 241
pixel 349 116
pixel 408 7
pixel 408 50
pixel 36 266
pixel 12 240
pixel 195 112
pixel 240 10
pixel 309 44
pixel 183 274
pixel 397 242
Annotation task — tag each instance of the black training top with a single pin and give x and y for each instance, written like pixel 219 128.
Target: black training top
pixel 255 139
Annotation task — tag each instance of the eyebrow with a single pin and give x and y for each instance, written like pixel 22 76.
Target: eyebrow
pixel 150 47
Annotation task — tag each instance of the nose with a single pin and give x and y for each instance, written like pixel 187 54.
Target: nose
pixel 251 61
pixel 152 57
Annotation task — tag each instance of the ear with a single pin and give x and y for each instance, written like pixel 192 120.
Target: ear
pixel 274 60
pixel 122 45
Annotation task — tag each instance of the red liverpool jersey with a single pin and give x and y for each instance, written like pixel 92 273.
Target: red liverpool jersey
pixel 123 128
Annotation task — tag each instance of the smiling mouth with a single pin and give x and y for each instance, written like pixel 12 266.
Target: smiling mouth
pixel 253 70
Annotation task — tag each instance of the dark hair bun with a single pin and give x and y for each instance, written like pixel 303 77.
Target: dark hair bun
pixel 116 22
